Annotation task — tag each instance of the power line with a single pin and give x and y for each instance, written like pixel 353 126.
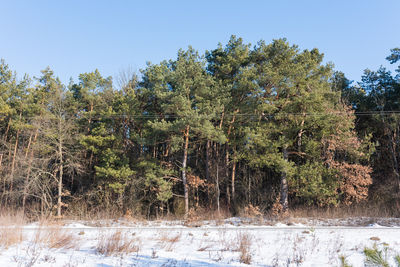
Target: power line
pixel 245 115
pixel 174 116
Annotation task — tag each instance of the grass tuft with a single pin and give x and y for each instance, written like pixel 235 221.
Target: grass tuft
pixel 54 237
pixel 168 242
pixel 244 240
pixel 11 229
pixel 116 243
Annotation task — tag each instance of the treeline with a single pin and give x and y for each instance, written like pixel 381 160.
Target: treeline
pixel 269 126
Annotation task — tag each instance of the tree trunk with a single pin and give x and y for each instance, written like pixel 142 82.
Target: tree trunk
pixel 217 185
pixel 13 159
pixel 13 154
pixel 60 178
pixel 26 178
pixel 228 194
pixel 392 148
pixel 8 128
pixel 59 202
pixel 208 167
pixel 233 178
pixel 248 186
pixel 184 165
pixel 1 161
pixel 88 132
pixel 284 185
pixel 300 135
pixel 395 162
pixel 217 178
pixel 227 148
pixel 26 182
pixel 141 145
pixel 166 154
pixel 28 146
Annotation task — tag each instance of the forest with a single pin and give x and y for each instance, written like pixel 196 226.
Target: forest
pixel 268 127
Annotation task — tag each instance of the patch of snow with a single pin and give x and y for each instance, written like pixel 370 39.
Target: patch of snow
pixel 166 243
pixel 77 225
pixel 280 225
pixel 375 225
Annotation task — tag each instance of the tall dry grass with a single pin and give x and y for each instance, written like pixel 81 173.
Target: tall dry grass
pixel 11 228
pixel 168 242
pixel 358 210
pixel 244 241
pixel 51 234
pixel 116 243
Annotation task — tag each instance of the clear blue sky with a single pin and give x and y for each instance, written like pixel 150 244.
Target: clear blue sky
pixel 77 36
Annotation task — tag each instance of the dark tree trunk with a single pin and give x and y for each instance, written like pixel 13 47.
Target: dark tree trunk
pixel 184 165
pixel 284 185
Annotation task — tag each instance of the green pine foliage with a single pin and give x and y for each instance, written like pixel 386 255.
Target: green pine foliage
pixel 375 257
pixel 268 125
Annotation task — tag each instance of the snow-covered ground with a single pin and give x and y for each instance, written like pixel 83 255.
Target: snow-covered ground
pixel 223 243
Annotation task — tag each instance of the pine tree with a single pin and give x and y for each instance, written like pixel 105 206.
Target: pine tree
pixel 300 113
pixel 184 91
pixel 229 66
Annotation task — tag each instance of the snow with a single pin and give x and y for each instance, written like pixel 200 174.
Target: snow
pixel 168 243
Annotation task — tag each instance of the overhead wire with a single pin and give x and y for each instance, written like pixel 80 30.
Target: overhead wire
pixel 174 116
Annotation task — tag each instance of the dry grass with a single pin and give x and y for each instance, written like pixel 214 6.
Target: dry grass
pixel 11 228
pixel 226 243
pixel 54 237
pixel 116 243
pixel 204 247
pixel 196 216
pixel 168 242
pixel 9 218
pixel 80 210
pixel 62 239
pixel 48 235
pixel 244 240
pixel 360 210
pixel 9 237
